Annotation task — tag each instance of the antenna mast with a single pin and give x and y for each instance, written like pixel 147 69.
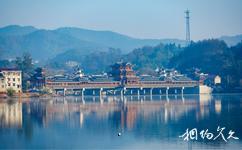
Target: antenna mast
pixel 187 12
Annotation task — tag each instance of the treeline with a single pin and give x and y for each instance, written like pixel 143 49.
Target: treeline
pixel 23 63
pixel 212 57
pixel 148 58
pixel 145 59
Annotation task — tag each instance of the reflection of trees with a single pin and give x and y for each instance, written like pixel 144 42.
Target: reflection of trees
pixel 28 127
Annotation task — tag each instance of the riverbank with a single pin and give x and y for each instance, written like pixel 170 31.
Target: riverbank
pixel 25 95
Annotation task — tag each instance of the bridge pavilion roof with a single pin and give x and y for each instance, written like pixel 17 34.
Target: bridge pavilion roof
pixel 181 78
pixel 100 78
pixel 149 78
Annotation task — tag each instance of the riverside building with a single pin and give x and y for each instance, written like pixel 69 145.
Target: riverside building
pixel 10 79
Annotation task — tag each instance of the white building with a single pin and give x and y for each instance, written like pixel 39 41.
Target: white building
pixel 217 80
pixel 10 78
pixel 2 83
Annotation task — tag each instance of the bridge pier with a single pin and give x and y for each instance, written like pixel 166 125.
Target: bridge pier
pixel 182 90
pixel 167 92
pixel 100 92
pixel 138 93
pixel 122 93
pixel 82 95
pixel 124 90
pixel 151 94
pixel 141 89
pixel 64 91
pixel 83 90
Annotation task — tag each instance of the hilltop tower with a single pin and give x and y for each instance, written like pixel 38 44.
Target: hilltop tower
pixel 187 12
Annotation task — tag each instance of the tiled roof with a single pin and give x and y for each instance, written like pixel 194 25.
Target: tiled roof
pixel 123 64
pixel 83 79
pixel 101 79
pixel 181 78
pixel 149 78
pixel 9 69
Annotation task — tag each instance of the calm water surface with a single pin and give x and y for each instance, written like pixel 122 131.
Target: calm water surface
pixel 144 122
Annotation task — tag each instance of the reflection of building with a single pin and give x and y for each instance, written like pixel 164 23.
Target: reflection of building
pixel 12 79
pixel 218 106
pixel 11 115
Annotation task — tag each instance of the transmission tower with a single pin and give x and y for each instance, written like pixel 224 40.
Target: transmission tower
pixel 187 12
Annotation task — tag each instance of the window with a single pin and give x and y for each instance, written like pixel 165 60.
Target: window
pixel 18 86
pixel 14 84
pixel 8 79
pixel 13 79
pixel 18 79
pixel 9 84
pixel 2 86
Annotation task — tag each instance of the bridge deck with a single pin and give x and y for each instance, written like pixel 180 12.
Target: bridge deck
pixel 150 84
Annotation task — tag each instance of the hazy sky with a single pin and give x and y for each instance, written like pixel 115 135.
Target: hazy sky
pixel 137 18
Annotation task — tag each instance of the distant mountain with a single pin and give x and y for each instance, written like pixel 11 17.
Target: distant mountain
pixel 16 30
pixel 41 44
pixel 46 44
pixel 231 40
pixel 114 40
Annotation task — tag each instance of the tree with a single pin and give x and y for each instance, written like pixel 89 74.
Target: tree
pixel 213 57
pixel 10 92
pixel 26 66
pixel 5 63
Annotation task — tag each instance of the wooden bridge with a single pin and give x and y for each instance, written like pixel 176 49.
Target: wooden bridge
pixel 115 87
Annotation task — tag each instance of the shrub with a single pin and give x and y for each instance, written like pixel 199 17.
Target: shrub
pixel 10 92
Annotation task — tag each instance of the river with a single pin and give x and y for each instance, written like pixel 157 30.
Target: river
pixel 144 122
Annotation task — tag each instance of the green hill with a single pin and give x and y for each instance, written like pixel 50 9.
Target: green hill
pixel 46 44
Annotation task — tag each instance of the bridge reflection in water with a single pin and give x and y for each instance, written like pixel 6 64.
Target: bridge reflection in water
pixel 127 107
pixel 144 119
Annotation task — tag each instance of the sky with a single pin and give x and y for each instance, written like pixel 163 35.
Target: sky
pixel 156 19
